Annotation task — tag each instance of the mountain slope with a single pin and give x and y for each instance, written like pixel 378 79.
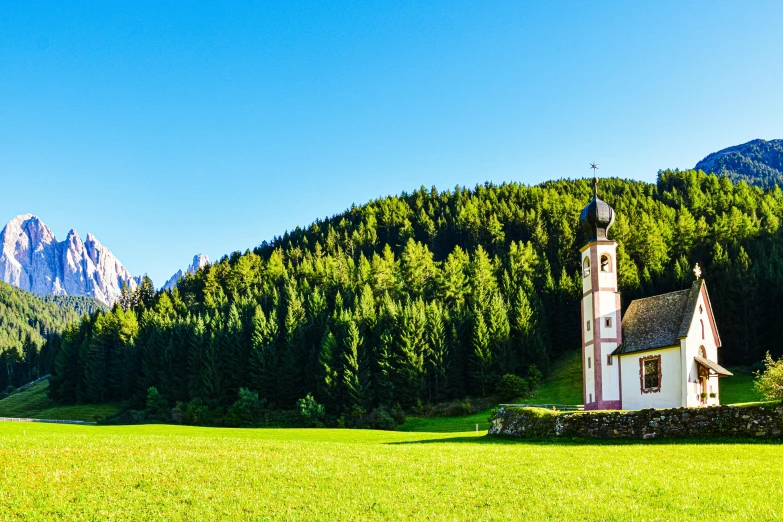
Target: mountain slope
pixel 757 162
pixel 32 259
pixel 431 296
pixel 26 321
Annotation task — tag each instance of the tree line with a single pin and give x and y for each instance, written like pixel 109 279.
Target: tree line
pixel 427 297
pixel 26 321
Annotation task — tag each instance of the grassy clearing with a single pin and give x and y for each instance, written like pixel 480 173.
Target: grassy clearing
pixel 53 472
pixel 738 388
pixel 564 385
pixel 34 403
pixel 448 424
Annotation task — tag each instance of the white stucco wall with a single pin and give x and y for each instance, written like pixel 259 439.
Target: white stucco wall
pixel 610 375
pixel 670 395
pixel 586 280
pixel 691 344
pixel 607 308
pixel 589 376
pixel 599 304
pixel 607 279
pixel 587 308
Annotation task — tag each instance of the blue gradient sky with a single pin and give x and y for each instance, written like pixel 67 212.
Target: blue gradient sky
pixel 177 128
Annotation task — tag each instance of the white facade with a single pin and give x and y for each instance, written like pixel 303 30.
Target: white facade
pixel 700 342
pixel 669 395
pixel 682 379
pixel 600 325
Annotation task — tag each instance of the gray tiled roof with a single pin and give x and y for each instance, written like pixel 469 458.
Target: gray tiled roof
pixel 658 321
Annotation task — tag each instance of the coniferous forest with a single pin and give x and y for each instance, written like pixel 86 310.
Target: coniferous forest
pixel 428 296
pixel 26 321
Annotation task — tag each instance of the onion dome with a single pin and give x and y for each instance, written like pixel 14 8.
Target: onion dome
pixel 597 217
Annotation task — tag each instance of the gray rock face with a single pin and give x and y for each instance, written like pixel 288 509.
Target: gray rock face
pixel 32 259
pixel 199 261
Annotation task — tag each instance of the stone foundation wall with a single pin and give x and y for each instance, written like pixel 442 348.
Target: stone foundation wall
pixel 763 422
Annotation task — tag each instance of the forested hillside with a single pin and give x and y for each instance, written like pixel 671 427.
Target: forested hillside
pixel 26 320
pixel 430 296
pixel 758 162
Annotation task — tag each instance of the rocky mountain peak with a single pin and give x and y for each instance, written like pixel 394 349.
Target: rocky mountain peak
pixel 32 259
pixel 199 262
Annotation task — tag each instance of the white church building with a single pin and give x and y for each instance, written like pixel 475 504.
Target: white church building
pixel 661 354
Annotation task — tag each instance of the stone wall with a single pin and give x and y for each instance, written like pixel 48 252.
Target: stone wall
pixel 763 422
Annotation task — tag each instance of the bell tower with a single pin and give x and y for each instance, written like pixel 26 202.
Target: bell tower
pixel 601 326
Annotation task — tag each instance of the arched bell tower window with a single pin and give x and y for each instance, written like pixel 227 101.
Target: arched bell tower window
pixel 702 328
pixel 586 267
pixel 606 263
pixel 702 352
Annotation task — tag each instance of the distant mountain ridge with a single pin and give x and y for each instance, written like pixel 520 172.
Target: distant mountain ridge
pixel 32 259
pixel 757 162
pixel 199 261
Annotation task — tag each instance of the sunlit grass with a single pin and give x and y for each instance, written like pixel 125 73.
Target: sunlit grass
pixel 564 385
pixel 738 388
pixel 34 403
pixel 52 472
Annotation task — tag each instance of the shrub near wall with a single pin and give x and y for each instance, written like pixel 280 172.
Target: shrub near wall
pixel 763 422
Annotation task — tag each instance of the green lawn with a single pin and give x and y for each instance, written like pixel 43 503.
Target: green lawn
pixel 58 472
pixel 738 388
pixel 35 404
pixel 564 385
pixel 448 424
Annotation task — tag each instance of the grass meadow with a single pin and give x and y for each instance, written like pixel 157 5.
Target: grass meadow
pixel 432 469
pixel 162 472
pixel 34 403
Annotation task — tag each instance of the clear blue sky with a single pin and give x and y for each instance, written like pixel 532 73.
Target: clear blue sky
pixel 168 129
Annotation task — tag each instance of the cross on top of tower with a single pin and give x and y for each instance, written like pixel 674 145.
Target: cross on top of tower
pixel 594 166
pixel 697 271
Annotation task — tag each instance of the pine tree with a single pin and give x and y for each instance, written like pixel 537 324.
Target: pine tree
pixel 482 354
pixel 263 356
pixel 411 350
pixel 354 390
pixel 437 355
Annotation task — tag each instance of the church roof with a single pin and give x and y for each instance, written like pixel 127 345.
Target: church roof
pixel 660 321
pixel 597 217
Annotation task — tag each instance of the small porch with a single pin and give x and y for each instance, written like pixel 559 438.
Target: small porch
pixel 707 371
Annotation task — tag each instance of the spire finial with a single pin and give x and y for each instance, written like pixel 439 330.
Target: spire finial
pixel 594 166
pixel 697 271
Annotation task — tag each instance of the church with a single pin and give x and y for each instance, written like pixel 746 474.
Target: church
pixel 662 353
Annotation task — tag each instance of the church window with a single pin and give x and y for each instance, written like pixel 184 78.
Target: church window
pixel 702 352
pixel 586 267
pixel 609 360
pixel 606 263
pixel 588 326
pixel 588 363
pixel 701 310
pixel 650 373
pixel 702 328
pixel 590 399
pixel 608 322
